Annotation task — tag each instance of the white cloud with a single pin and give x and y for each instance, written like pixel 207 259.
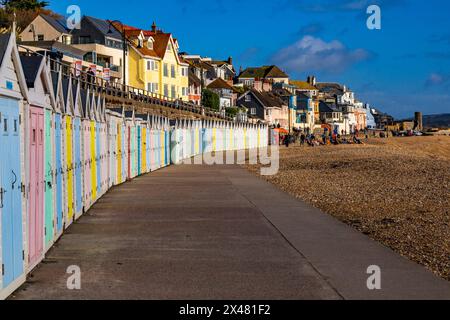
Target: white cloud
pixel 435 79
pixel 315 54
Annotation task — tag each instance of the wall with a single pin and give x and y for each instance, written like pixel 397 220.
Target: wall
pixel 41 27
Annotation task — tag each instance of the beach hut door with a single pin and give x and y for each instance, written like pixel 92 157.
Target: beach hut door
pixel 10 191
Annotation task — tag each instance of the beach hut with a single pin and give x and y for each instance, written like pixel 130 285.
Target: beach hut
pixel 78 149
pixel 138 150
pixel 148 143
pixel 93 146
pixel 123 150
pixel 58 151
pixel 86 147
pixel 68 155
pixel 130 133
pixel 13 94
pixel 104 174
pixel 113 116
pixel 142 143
pixel 98 143
pixel 41 105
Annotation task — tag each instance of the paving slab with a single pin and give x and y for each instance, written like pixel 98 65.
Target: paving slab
pixel 219 232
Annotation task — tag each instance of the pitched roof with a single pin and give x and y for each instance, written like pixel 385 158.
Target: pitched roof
pixel 326 107
pixel 303 85
pixel 31 65
pixel 302 96
pixel 219 83
pixel 68 50
pixel 4 41
pixel 161 43
pixel 330 87
pixel 193 78
pixel 161 40
pixel 281 92
pixel 104 27
pixel 268 99
pixel 55 78
pixel 263 72
pixel 57 23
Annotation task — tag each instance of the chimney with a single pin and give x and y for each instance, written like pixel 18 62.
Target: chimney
pixel 154 27
pixel 230 60
pixel 308 79
pixel 313 80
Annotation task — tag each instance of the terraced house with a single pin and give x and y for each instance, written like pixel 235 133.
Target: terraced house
pixel 154 64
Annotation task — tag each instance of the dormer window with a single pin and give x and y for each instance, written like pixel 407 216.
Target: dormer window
pixel 169 47
pixel 150 44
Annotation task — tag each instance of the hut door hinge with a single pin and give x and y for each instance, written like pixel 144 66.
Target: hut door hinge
pixel 3 269
pixel 23 255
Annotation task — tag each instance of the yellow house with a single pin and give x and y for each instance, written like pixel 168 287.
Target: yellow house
pixel 154 64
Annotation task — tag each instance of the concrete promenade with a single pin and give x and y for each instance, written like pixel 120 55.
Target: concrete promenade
pixel 219 232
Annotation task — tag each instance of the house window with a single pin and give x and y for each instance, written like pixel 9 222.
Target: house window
pixel 85 39
pixel 166 90
pixel 166 70
pixel 173 91
pixel 252 111
pixel 184 72
pixel 172 71
pixel 152 65
pixel 248 98
pixel 150 45
pixel 40 37
pixel 67 40
pixel 152 87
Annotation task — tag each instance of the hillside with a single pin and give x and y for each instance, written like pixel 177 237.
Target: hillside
pixel 437 121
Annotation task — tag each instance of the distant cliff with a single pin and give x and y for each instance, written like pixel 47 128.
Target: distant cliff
pixel 437 120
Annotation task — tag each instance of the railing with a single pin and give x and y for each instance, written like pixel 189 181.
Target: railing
pixel 101 86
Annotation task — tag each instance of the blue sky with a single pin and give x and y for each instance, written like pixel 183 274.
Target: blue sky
pixel 402 68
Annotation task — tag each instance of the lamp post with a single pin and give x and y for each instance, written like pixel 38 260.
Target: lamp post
pixel 124 47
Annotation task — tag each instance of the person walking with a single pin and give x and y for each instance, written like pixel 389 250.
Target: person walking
pixel 302 139
pixel 287 139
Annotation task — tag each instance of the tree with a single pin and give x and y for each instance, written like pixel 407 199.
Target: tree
pixel 210 99
pixel 24 4
pixel 23 15
pixel 232 111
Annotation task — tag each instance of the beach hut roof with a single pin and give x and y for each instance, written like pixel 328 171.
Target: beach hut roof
pixel 4 42
pixel 31 66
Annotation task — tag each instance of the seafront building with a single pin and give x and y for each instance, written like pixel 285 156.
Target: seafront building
pixel 154 63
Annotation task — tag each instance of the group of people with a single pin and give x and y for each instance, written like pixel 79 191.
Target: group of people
pixel 310 139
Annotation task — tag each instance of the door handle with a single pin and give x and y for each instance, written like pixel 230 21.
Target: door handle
pixel 15 179
pixel 2 191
